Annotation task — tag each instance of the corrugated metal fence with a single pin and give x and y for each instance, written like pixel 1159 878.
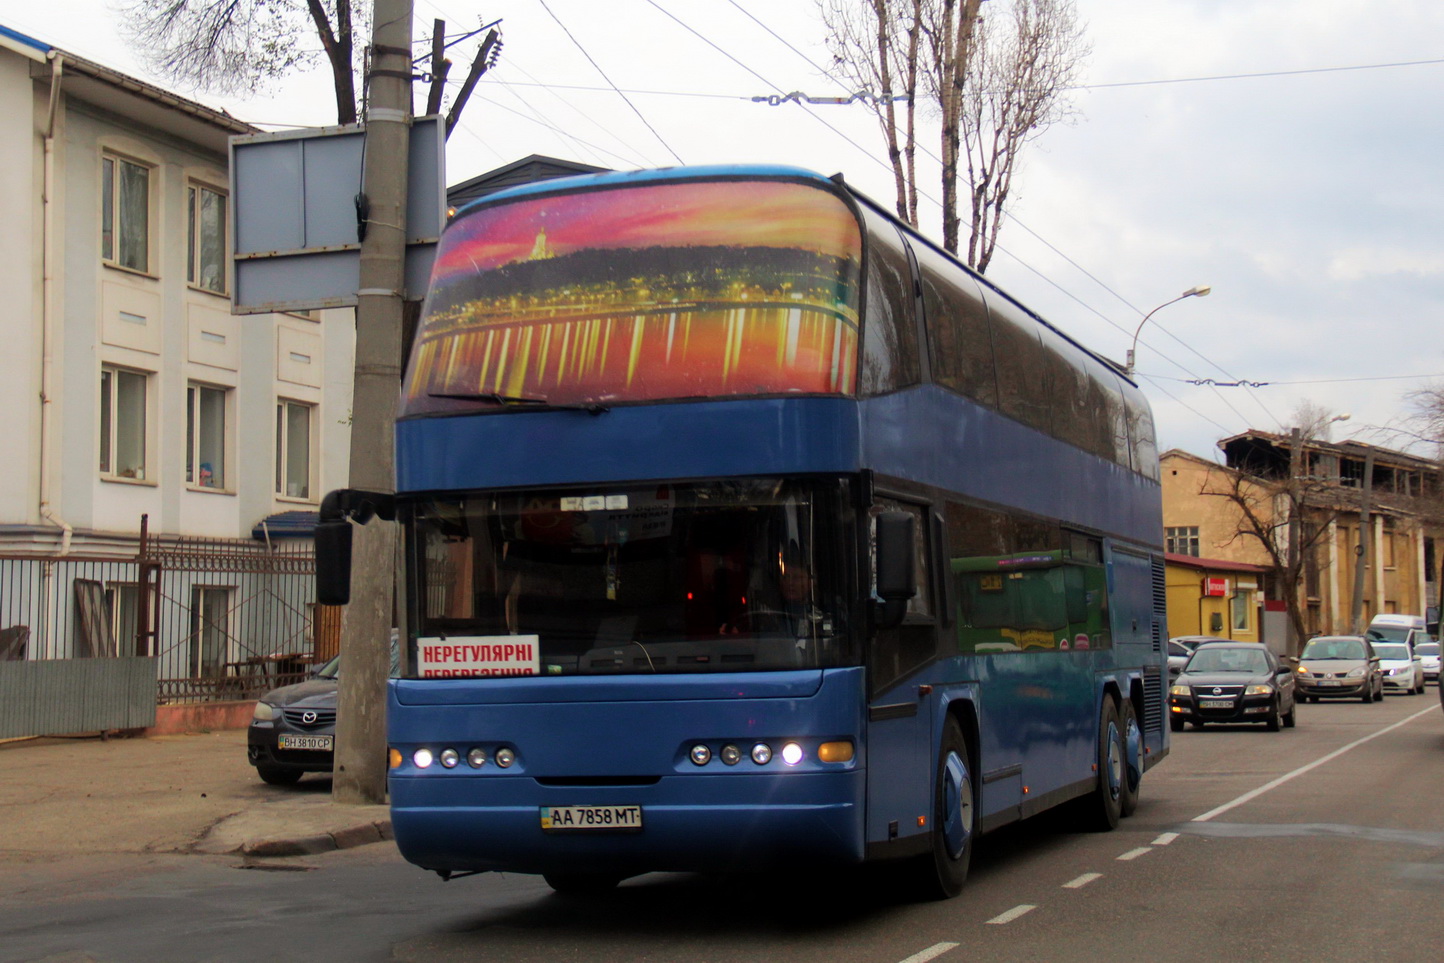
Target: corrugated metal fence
pixel 55 696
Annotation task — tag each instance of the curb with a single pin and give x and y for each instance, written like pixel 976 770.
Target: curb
pixel 349 838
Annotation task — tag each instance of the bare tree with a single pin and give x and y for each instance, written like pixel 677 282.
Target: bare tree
pixel 233 46
pixel 953 29
pixel 874 46
pixel 1020 69
pixel 1264 506
pixel 1426 416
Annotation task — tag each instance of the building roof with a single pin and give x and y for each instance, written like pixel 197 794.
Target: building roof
pixel 1355 449
pixel 537 167
pixel 127 96
pixel 1211 564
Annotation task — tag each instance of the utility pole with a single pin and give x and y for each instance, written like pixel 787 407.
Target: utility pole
pixel 1294 570
pixel 1361 550
pixel 360 774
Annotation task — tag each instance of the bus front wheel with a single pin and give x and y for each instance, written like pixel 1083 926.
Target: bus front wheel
pixel 954 818
pixel 581 884
pixel 1102 807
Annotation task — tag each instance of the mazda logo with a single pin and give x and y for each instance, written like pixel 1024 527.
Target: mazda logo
pixel 309 717
pixel 1216 691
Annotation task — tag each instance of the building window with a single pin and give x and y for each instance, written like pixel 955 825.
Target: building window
pixel 1181 541
pixel 206 436
pixel 206 266
pixel 1241 606
pixel 210 623
pixel 122 422
pixel 293 449
pixel 125 213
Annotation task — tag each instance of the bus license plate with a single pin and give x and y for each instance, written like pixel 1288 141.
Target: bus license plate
pixel 576 819
pixel 1216 704
pixel 288 740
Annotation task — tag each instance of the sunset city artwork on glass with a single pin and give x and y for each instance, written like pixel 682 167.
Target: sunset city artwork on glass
pixel 640 293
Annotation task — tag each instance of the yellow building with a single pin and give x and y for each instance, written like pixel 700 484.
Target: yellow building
pixel 1209 596
pixel 1204 519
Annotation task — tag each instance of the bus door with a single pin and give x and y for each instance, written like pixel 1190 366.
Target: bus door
pixel 900 750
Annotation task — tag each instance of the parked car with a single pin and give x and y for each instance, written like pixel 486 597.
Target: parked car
pixel 1180 647
pixel 1232 682
pixel 1339 666
pixel 1428 653
pixel 293 728
pixel 1402 667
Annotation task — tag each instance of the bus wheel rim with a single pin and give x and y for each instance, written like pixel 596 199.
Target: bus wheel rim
pixel 957 805
pixel 1115 761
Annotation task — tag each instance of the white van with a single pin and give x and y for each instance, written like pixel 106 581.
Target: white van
pixel 1397 628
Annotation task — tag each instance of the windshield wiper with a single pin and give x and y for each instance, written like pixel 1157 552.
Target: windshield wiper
pixel 517 401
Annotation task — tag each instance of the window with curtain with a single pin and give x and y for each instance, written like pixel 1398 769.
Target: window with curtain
pixel 125 213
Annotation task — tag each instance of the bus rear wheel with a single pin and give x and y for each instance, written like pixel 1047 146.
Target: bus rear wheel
pixel 955 819
pixel 1132 759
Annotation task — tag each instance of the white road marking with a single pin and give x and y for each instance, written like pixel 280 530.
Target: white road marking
pixel 936 950
pixel 1082 881
pixel 1135 853
pixel 1165 839
pixel 1255 793
pixel 1012 914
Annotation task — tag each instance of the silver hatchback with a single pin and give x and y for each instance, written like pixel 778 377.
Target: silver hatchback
pixel 1339 666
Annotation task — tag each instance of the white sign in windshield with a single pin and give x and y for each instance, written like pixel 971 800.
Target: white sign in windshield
pixel 478 656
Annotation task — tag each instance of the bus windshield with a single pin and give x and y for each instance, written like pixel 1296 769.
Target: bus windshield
pixel 663 291
pixel 721 576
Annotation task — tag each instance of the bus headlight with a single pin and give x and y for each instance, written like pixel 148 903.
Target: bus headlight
pixel 422 758
pixel 505 757
pixel 476 758
pixel 762 754
pixel 700 755
pixel 731 755
pixel 450 757
pixel 792 753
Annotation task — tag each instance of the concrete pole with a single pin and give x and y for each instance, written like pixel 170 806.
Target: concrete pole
pixel 360 774
pixel 1361 550
pixel 1295 567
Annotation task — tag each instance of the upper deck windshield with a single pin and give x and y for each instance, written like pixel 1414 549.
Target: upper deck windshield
pixel 641 292
pixel 714 577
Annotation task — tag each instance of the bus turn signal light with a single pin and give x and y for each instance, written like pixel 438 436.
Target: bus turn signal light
pixel 835 752
pixel 393 758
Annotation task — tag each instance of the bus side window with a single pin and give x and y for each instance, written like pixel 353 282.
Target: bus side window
pixel 1140 433
pixel 960 341
pixel 1021 364
pixel 889 329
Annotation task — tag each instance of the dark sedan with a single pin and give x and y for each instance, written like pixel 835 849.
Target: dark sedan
pixel 1232 682
pixel 293 729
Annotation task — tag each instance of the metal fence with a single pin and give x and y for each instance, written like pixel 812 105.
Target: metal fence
pixel 221 619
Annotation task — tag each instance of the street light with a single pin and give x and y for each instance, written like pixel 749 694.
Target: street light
pixel 1196 291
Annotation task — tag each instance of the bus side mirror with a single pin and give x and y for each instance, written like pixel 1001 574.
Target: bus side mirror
pixel 333 562
pixel 896 575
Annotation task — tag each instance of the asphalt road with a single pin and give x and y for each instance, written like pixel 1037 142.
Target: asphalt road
pixel 1323 842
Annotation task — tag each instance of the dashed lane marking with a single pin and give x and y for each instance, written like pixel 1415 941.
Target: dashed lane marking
pixel 932 952
pixel 1135 853
pixel 1165 839
pixel 1082 881
pixel 1012 914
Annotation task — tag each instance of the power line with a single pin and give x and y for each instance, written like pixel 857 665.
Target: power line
pixel 1255 76
pixel 599 70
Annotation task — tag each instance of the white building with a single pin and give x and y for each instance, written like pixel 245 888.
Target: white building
pixel 127 388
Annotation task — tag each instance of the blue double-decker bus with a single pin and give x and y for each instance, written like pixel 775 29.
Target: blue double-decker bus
pixel 746 529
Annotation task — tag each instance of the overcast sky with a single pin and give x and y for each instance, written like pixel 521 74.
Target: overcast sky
pixel 1309 199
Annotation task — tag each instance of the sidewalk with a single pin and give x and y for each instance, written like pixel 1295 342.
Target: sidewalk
pixel 192 793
